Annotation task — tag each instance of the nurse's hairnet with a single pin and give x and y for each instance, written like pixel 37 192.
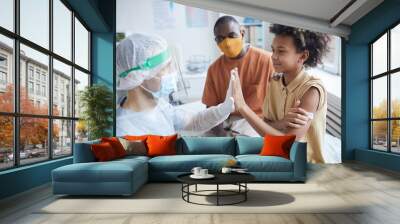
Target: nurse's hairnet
pixel 132 55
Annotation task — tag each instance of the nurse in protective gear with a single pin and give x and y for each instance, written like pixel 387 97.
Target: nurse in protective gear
pixel 145 76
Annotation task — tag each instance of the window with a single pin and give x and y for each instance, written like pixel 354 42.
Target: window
pixel 62 137
pixel 62 74
pixel 38 89
pixel 33 147
pixel 81 45
pixel 3 72
pixel 34 21
pixel 3 78
pixel 81 81
pixel 62 29
pixel 6 142
pixel 45 131
pixel 30 72
pixel 30 87
pixel 379 56
pixel 7 14
pixel 37 74
pixel 44 91
pixel 6 73
pixel 385 96
pixel 55 95
pixel 3 61
pixel 395 47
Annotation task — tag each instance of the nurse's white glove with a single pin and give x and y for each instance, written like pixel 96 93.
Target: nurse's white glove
pixel 228 106
pixel 212 116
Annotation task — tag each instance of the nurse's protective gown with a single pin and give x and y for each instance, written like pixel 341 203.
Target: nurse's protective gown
pixel 166 119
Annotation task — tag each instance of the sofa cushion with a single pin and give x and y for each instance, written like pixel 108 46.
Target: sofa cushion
pixel 161 145
pixel 257 163
pixel 208 145
pixel 131 158
pixel 111 171
pixel 103 152
pixel 116 145
pixel 134 147
pixel 185 163
pixel 249 145
pixel 277 145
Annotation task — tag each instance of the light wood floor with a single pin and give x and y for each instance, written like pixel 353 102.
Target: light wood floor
pixel 378 188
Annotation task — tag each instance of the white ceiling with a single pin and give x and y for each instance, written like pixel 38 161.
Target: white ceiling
pixel 321 9
pixel 315 15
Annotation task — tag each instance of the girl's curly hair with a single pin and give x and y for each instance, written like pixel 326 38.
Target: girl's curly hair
pixel 315 43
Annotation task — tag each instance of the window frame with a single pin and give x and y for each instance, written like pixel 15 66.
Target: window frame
pixel 16 114
pixel 388 74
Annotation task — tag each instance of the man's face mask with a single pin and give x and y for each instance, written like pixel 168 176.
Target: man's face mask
pixel 231 47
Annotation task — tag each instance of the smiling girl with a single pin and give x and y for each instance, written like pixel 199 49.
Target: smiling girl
pixel 292 93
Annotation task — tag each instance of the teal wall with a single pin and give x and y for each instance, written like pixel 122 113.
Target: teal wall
pixel 380 159
pixel 356 85
pixel 99 15
pixel 103 49
pixel 102 58
pixel 24 178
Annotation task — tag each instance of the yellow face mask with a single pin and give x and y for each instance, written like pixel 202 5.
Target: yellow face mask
pixel 231 47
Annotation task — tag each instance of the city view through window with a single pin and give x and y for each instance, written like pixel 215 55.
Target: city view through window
pixel 39 100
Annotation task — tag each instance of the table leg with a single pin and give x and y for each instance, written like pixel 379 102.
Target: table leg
pixel 196 188
pixel 245 193
pixel 217 194
pixel 188 190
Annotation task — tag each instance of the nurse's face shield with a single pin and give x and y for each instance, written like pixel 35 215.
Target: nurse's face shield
pixel 154 84
pixel 166 65
pixel 170 75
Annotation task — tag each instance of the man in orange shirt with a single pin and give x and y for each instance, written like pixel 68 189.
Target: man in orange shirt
pixel 254 68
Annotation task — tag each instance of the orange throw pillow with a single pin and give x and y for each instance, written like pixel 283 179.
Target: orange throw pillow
pixel 161 145
pixel 103 152
pixel 116 145
pixel 277 145
pixel 138 138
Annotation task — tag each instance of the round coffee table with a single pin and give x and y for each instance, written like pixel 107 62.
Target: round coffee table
pixel 238 179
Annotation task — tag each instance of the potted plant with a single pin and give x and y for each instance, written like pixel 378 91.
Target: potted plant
pixel 96 102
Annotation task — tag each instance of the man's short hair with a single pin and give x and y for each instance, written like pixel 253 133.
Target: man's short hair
pixel 224 20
